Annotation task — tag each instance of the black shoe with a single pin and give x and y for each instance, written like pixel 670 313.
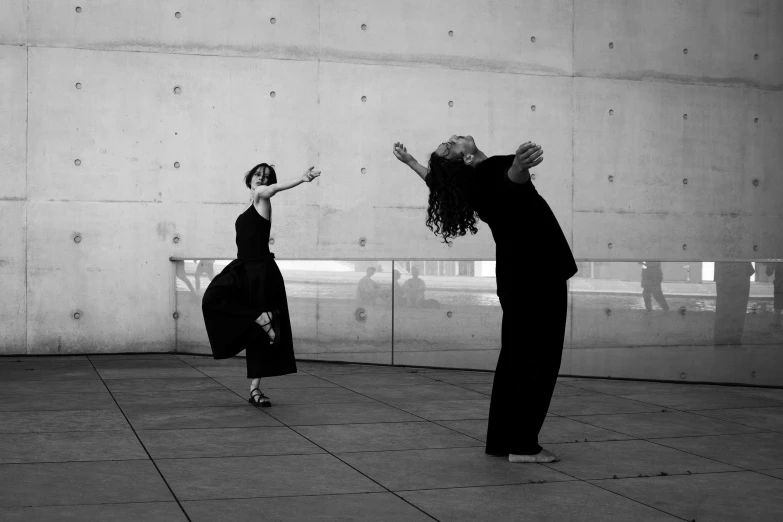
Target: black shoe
pixel 259 400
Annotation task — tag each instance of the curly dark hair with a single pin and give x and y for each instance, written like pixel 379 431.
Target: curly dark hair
pixel 449 214
pixel 250 173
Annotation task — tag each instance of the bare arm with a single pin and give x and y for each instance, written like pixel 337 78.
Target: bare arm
pixel 401 153
pixel 267 191
pixel 418 168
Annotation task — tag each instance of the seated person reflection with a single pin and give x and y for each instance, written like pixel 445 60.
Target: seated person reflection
pixel 652 277
pixel 368 289
pixel 414 289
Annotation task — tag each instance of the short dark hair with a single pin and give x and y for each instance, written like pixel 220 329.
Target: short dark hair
pixel 259 168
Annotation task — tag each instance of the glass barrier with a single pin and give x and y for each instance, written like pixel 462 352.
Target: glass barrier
pixel 339 310
pixel 696 321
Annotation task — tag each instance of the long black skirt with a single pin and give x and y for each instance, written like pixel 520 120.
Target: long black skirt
pixel 232 303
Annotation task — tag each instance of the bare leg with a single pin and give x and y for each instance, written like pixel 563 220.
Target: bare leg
pixel 265 320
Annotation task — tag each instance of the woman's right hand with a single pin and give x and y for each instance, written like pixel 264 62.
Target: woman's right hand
pixel 401 153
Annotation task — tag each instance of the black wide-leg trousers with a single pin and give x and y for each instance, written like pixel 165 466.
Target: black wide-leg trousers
pixel 532 338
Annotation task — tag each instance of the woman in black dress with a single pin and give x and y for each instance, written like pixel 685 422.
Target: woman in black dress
pixel 245 306
pixel 534 263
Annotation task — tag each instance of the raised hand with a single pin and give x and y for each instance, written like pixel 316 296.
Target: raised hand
pixel 401 153
pixel 310 174
pixel 528 155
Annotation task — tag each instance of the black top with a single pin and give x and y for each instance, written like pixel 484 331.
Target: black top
pixel 252 235
pixel 531 247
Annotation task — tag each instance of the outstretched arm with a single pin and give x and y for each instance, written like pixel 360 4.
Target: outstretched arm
pixel 401 153
pixel 267 191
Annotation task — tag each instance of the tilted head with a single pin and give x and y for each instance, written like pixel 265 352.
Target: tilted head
pixel 261 174
pixel 371 271
pixel 462 148
pixel 452 162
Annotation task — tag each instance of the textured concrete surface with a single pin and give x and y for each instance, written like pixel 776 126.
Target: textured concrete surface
pixel 127 201
pixel 628 452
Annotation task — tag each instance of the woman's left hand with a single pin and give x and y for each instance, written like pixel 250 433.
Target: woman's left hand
pixel 310 174
pixel 528 155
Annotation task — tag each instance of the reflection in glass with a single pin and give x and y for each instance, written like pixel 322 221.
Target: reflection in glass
pixel 732 288
pixel 652 277
pixel 446 313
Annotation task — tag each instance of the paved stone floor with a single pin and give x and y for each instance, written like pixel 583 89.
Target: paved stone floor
pixel 172 438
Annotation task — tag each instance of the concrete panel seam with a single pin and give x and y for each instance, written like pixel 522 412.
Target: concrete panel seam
pixel 26 195
pixel 649 77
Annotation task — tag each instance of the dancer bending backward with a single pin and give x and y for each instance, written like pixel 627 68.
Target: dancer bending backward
pixel 245 306
pixel 534 263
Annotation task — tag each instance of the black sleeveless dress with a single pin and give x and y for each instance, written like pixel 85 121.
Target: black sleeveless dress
pixel 247 287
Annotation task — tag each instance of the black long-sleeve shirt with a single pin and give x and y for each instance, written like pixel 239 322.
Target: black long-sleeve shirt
pixel 530 245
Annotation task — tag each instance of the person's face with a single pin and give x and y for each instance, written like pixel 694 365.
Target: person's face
pixel 457 147
pixel 415 271
pixel 261 177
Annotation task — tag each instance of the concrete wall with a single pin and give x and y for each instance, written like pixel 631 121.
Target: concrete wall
pixel 126 201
